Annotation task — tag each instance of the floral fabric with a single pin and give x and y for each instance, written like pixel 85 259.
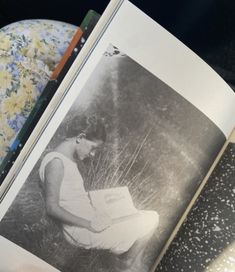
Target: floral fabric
pixel 29 52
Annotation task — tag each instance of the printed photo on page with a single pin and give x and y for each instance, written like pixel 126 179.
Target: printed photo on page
pixel 118 173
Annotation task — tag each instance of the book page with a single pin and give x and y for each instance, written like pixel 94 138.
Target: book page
pixel 166 57
pixel 15 259
pixel 205 241
pixel 121 123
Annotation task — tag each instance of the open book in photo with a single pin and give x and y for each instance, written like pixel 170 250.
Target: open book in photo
pixel 132 133
pixel 115 202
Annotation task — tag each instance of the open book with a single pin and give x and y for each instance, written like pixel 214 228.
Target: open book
pixel 115 202
pixel 136 110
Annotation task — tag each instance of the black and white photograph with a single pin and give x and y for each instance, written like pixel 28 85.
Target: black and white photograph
pixel 205 243
pixel 116 177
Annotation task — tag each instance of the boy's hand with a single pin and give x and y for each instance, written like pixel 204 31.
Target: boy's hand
pixel 100 222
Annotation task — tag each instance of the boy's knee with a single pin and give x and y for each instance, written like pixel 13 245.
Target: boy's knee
pixel 152 217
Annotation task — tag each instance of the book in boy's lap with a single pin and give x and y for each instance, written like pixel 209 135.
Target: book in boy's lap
pixel 115 202
pixel 162 116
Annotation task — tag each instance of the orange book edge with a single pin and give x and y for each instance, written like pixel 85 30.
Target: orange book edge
pixel 77 36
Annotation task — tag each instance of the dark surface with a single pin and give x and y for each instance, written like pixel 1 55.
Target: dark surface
pixel 206 26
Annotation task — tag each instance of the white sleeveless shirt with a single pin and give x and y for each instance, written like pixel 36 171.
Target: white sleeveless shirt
pixel 73 196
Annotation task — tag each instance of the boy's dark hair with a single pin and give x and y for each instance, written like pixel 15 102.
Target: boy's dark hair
pixel 92 127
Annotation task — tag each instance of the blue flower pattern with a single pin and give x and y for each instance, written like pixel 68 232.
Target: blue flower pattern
pixel 29 52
